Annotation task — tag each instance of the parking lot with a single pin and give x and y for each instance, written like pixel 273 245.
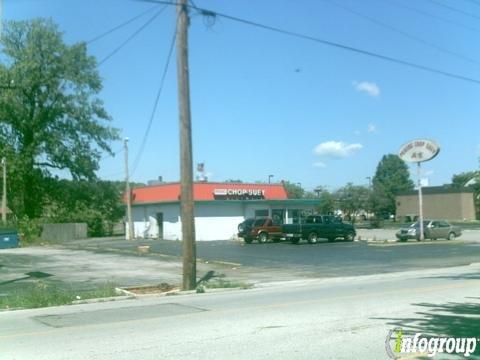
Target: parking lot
pixel 320 260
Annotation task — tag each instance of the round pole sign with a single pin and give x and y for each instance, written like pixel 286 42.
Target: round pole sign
pixel 419 150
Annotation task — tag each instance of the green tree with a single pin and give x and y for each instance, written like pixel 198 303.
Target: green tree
pixel 50 117
pixel 353 198
pixel 326 202
pixel 459 180
pixel 294 191
pixel 98 203
pixel 391 177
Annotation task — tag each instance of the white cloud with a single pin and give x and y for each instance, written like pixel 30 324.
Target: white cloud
pixel 337 149
pixel 370 88
pixel 371 128
pixel 319 164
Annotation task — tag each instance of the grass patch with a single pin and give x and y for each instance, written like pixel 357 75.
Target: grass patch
pixel 219 283
pixel 43 294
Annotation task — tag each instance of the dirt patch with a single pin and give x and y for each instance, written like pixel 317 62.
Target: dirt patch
pixel 152 289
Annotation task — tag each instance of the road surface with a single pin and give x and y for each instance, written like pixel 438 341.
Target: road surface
pixel 341 318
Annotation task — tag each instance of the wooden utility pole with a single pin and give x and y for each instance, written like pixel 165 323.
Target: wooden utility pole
pixel 186 164
pixel 4 193
pixel 128 194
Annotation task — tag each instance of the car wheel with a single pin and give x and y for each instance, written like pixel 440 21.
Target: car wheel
pixel 313 238
pixel 331 239
pixel 350 236
pixel 451 236
pixel 276 240
pixel 295 240
pixel 247 240
pixel 262 238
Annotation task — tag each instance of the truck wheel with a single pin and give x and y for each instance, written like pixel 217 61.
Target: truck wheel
pixel 247 240
pixel 262 238
pixel 295 240
pixel 451 236
pixel 350 236
pixel 313 238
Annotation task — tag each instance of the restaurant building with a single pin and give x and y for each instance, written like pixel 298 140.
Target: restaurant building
pixel 219 208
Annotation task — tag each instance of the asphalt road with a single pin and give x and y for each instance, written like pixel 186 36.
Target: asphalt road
pixel 345 318
pixel 319 260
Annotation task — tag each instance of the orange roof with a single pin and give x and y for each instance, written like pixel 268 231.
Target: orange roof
pixel 208 191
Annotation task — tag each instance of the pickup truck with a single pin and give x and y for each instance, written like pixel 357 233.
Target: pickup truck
pixel 261 229
pixel 319 226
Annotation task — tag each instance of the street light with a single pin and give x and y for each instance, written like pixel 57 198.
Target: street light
pixel 269 177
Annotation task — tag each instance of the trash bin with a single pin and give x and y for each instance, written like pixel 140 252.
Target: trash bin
pixel 8 238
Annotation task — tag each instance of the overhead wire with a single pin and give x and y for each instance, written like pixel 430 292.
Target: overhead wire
pixel 410 64
pixel 118 27
pixel 454 9
pixel 404 33
pixel 430 15
pixel 156 102
pixel 131 37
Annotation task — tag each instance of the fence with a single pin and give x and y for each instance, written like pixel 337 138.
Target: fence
pixel 64 232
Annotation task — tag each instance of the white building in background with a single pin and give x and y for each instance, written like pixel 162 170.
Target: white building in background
pixel 219 208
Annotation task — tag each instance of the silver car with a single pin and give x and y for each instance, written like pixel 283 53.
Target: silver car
pixel 432 229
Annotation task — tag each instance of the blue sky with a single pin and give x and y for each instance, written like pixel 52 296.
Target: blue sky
pixel 265 103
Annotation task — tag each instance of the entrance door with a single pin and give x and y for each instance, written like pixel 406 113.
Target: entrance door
pixel 160 225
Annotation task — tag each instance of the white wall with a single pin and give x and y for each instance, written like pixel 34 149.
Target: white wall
pixel 212 221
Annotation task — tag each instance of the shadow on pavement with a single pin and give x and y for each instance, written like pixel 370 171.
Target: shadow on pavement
pixel 458 320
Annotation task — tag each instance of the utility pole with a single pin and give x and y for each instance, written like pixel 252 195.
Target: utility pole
pixel 128 193
pixel 186 164
pixel 4 194
pixel 420 202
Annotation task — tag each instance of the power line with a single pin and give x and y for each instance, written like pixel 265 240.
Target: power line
pixel 207 12
pixel 454 9
pixel 427 14
pixel 155 105
pixel 108 32
pixel 473 2
pixel 404 33
pixel 116 152
pixel 131 37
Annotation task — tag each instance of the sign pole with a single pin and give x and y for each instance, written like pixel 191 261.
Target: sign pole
pixel 420 201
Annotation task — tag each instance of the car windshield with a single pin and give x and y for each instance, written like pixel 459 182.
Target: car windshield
pixel 248 222
pixel 259 222
pixel 417 224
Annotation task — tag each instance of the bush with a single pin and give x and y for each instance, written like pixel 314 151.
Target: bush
pixel 29 230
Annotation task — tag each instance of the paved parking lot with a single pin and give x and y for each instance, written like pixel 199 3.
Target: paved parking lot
pixel 319 260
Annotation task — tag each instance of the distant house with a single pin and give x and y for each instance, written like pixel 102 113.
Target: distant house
pixel 439 202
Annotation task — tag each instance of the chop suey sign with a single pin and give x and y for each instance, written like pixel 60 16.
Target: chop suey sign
pixel 419 150
pixel 239 193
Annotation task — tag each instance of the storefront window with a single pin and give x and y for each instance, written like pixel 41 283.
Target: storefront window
pixel 261 213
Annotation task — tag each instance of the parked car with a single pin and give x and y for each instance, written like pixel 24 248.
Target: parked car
pixel 261 229
pixel 319 226
pixel 432 229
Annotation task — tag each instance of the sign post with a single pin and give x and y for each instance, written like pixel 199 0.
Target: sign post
pixel 418 151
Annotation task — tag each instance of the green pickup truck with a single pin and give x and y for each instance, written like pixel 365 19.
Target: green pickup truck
pixel 316 227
